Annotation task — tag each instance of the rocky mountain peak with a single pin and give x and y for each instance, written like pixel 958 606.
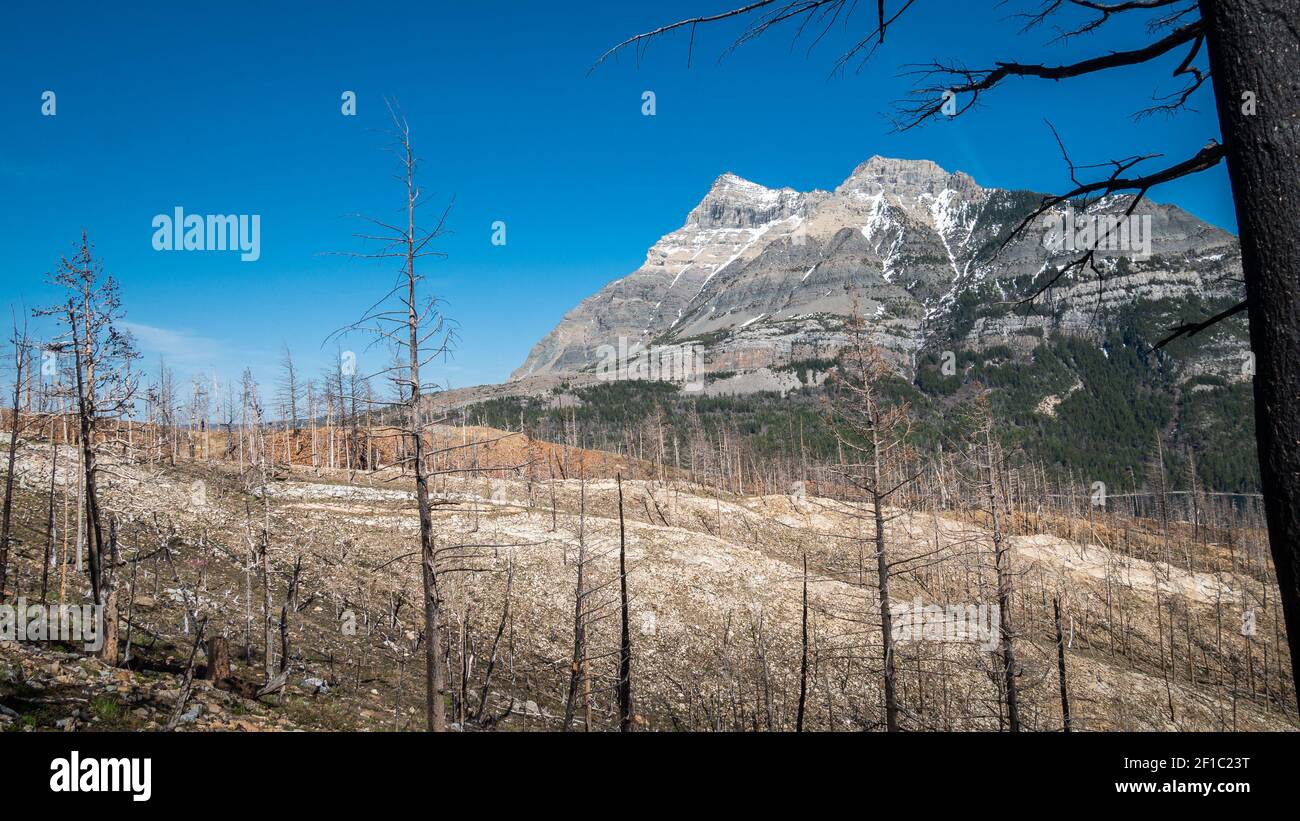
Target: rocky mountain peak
pixel 769 270
pixel 905 178
pixel 735 202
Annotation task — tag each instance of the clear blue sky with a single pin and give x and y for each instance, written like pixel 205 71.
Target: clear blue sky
pixel 235 108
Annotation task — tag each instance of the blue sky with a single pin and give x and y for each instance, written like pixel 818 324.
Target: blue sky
pixel 234 108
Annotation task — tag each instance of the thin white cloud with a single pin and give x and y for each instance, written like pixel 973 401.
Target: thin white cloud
pixel 181 349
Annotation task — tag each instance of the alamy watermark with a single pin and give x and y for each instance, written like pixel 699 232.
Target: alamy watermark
pixel 1117 235
pixel 211 232
pixel 53 622
pixel 127 775
pixel 663 363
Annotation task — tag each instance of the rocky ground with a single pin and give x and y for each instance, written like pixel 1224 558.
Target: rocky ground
pixel 715 583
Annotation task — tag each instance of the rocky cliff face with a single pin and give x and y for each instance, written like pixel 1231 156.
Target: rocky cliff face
pixel 764 276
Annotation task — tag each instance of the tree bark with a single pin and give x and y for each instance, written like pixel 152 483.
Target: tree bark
pixel 803 656
pixel 1002 564
pixel 886 617
pixel 436 720
pixel 1254 49
pixel 218 652
pixel 1060 663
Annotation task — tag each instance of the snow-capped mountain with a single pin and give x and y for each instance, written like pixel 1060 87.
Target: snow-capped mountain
pixel 765 276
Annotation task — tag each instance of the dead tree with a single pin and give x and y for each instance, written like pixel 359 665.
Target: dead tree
pixel 1252 45
pixel 872 433
pixel 1060 663
pixel 289 607
pixel 218 653
pixel 104 387
pixel 48 558
pixel 578 664
pixel 413 324
pixel 165 409
pixel 289 394
pixel 625 638
pixel 803 651
pixel 21 347
pixel 989 465
pixel 259 542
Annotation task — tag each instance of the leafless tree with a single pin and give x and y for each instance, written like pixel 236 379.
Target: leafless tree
pixel 625 635
pixel 803 650
pixel 1060 663
pixel 21 347
pixel 578 663
pixel 987 455
pixel 413 323
pixel 290 392
pixel 104 388
pixel 872 433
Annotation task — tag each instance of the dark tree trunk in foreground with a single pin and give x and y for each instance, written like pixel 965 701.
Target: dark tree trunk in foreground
pixel 1254 49
pixel 1060 662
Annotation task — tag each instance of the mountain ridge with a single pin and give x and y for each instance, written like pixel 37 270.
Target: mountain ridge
pixel 772 272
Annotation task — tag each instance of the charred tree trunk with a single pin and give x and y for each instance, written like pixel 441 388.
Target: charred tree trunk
pixel 886 617
pixel 218 652
pixel 1002 564
pixel 1060 663
pixel 1253 58
pixel 433 703
pixel 289 607
pixel 187 680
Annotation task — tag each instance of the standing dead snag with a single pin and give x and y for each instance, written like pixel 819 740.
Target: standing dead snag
pixel 803 654
pixel 218 653
pixel 48 559
pixel 289 607
pixel 1253 59
pixel 1060 663
pixel 625 640
pixel 104 387
pixel 289 393
pixel 21 347
pixel 872 433
pixel 416 328
pixel 578 664
pixel 989 467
